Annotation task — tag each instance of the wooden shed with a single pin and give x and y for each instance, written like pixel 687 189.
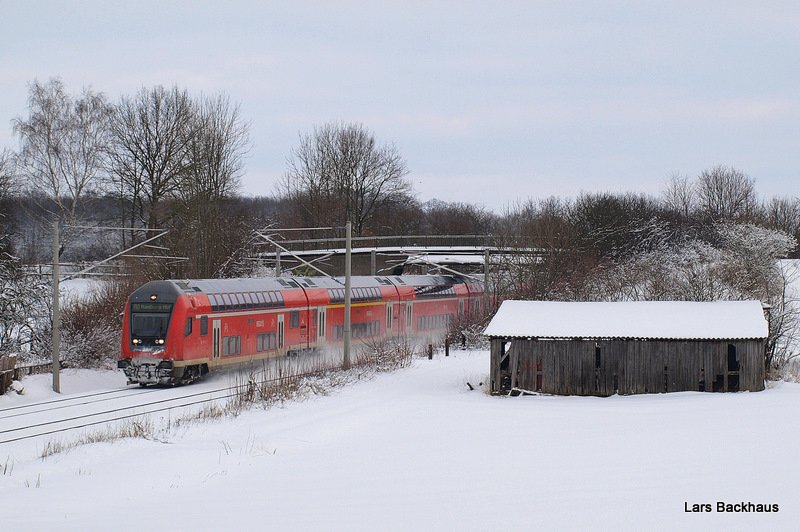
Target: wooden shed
pixel 583 348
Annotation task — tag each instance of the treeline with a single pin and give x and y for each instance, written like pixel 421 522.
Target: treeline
pixel 162 159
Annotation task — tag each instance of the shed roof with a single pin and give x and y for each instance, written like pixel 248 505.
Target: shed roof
pixel 670 320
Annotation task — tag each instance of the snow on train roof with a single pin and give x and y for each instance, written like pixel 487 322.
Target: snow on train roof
pixel 673 320
pixel 220 286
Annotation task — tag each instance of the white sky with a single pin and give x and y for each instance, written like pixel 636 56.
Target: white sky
pixel 489 103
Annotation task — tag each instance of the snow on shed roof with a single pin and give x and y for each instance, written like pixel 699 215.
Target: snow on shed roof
pixel 673 320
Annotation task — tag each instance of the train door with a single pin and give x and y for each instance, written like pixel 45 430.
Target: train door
pixel 389 318
pixel 280 333
pixel 321 315
pixel 216 339
pixel 305 333
pixel 409 317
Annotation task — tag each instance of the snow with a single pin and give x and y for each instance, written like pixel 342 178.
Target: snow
pixel 445 259
pixel 79 288
pixel 685 320
pixel 416 450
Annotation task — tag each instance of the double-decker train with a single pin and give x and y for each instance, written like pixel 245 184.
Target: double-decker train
pixel 176 331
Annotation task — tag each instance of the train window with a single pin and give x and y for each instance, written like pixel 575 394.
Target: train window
pixel 294 319
pixel 265 341
pixel 248 300
pixel 240 301
pixel 226 299
pixel 260 299
pixel 213 300
pixel 188 330
pixel 204 326
pixel 231 345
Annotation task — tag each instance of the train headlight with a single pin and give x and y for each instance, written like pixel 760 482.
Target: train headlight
pixel 136 341
pixel 160 341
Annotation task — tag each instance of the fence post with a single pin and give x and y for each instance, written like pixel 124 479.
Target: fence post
pixel 430 351
pixel 447 346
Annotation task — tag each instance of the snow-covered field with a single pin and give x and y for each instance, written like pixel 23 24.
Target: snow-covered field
pixel 416 450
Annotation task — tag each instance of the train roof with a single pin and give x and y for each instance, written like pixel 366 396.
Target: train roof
pixel 263 284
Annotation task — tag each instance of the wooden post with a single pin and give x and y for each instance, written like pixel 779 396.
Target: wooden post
pixel 430 351
pixel 447 347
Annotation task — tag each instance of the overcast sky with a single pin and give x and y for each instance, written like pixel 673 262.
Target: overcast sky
pixel 489 102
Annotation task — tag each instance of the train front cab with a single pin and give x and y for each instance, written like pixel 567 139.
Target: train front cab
pixel 150 339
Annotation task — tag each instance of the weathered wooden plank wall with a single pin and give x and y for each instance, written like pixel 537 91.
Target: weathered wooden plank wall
pixel 606 367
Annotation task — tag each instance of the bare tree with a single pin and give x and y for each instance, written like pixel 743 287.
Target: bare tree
pixel 217 150
pixel 340 172
pixel 63 143
pixel 151 137
pixel 784 214
pixel 205 210
pixel 6 183
pixel 541 254
pixel 679 195
pixel 454 218
pixel 726 194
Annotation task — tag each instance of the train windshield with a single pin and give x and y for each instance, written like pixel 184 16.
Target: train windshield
pixel 150 320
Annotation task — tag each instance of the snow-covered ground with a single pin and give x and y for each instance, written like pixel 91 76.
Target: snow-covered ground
pixel 417 450
pixel 79 288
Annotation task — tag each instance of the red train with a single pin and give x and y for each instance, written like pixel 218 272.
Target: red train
pixel 176 331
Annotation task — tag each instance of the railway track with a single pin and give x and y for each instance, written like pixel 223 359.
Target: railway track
pixel 56 416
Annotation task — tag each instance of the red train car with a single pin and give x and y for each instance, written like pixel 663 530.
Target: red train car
pixel 178 330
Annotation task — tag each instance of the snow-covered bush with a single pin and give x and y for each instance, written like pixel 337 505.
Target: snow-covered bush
pixel 91 324
pixel 741 262
pixel 24 310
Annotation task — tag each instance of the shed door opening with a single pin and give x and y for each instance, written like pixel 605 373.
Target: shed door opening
pixel 733 362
